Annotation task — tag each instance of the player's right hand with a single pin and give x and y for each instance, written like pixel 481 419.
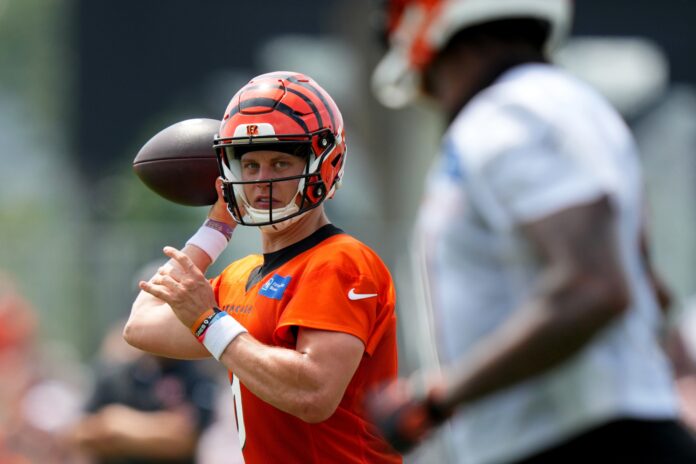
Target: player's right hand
pixel 403 417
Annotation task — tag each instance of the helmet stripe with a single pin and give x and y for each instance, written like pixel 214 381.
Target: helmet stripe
pixel 310 103
pixel 321 97
pixel 262 85
pixel 272 105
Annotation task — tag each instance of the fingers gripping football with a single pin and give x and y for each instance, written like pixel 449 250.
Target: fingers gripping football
pixel 181 285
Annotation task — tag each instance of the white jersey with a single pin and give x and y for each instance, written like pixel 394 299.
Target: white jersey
pixel 536 142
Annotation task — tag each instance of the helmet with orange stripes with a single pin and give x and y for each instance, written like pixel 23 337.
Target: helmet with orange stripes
pixel 287 112
pixel 416 30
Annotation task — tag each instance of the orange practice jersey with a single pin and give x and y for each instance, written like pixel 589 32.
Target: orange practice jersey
pixel 335 284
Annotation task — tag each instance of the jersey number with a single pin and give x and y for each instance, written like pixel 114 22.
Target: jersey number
pixel 238 412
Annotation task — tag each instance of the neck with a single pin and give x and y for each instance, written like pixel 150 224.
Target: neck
pixel 481 67
pixel 274 240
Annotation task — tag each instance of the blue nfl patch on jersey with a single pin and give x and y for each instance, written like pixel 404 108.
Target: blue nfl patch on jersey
pixel 275 287
pixel 450 165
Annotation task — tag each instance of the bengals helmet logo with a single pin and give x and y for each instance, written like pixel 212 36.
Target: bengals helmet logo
pixel 252 130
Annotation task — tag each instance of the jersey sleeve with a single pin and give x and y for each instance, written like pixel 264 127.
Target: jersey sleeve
pixel 340 295
pixel 528 173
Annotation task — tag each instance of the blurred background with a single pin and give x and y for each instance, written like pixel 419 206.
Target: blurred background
pixel 84 84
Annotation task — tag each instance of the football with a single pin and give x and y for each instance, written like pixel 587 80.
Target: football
pixel 179 162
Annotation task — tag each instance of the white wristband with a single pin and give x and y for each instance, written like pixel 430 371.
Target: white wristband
pixel 210 240
pixel 221 333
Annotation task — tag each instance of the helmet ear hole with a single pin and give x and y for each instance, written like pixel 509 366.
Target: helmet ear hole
pixel 322 142
pixel 314 191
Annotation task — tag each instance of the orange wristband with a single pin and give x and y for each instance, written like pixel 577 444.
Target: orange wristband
pixel 203 321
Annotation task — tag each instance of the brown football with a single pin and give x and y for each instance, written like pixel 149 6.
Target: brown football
pixel 179 162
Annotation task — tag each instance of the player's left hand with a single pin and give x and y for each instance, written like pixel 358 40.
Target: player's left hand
pixel 181 285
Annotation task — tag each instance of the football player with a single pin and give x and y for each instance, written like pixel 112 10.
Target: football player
pixel 304 328
pixel 544 308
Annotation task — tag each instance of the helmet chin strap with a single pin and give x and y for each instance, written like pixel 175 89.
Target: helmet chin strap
pixel 282 225
pixel 256 215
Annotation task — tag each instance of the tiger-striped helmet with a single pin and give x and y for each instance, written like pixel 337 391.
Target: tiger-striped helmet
pixel 287 112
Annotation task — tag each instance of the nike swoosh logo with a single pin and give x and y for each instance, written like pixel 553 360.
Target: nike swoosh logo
pixel 359 296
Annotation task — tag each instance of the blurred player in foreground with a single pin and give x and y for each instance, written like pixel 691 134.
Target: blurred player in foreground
pixel 545 309
pixel 304 328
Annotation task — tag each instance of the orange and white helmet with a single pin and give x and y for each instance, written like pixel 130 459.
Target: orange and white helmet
pixel 287 112
pixel 417 29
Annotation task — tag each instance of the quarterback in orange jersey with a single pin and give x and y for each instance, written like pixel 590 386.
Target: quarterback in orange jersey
pixel 308 326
